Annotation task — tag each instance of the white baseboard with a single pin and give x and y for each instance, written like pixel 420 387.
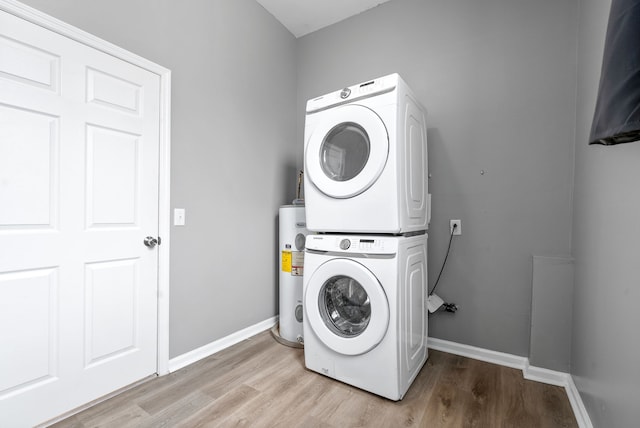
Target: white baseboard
pixel 584 421
pixel 218 345
pixel 540 374
pixel 481 354
pixel 537 374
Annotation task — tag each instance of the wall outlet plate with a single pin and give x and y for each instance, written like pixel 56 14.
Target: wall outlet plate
pixel 458 230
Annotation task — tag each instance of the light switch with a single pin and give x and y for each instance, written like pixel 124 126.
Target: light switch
pixel 179 216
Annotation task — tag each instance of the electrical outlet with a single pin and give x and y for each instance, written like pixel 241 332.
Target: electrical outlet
pixel 458 224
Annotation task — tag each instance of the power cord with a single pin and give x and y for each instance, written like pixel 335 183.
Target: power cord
pixel 444 263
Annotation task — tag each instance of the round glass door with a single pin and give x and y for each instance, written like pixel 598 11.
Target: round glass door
pixel 346 151
pixel 346 306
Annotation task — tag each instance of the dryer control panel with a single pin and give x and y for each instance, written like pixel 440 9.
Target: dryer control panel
pixel 355 92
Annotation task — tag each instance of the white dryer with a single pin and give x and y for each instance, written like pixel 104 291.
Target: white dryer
pixel 365 158
pixel 365 315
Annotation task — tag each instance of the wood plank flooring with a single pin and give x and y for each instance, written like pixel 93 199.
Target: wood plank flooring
pixel 261 383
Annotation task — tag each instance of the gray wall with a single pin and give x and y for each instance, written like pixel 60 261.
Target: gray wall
pixel 233 147
pixel 498 80
pixel 606 248
pixel 551 313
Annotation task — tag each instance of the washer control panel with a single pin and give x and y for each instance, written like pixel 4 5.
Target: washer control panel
pixel 370 244
pixel 353 244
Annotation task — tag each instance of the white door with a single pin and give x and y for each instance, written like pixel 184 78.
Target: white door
pixel 346 151
pixel 79 150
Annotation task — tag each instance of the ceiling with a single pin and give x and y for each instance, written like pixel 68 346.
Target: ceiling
pixel 306 16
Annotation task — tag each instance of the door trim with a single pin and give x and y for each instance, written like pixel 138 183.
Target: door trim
pixel 164 208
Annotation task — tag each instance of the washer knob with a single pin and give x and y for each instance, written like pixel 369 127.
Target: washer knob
pixel 345 93
pixel 345 244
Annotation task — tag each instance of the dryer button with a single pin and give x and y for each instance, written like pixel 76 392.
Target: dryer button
pixel 345 244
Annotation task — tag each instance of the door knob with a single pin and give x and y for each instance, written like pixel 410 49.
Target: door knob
pixel 150 241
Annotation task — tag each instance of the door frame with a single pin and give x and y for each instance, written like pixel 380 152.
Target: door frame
pixel 164 208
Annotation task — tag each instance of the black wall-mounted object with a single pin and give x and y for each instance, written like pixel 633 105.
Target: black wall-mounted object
pixel 617 116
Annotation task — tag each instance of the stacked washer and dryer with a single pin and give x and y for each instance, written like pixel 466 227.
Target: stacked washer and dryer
pixel 366 196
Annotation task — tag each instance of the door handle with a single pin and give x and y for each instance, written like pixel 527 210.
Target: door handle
pixel 151 242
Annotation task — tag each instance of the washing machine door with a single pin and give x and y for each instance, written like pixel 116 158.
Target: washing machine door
pixel 346 151
pixel 346 306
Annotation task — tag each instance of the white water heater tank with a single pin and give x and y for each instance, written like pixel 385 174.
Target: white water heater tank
pixel 293 233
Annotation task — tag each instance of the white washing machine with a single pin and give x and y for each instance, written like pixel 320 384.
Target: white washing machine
pixel 365 159
pixel 365 315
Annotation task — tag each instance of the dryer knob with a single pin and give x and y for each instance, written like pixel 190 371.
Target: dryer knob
pixel 345 93
pixel 345 244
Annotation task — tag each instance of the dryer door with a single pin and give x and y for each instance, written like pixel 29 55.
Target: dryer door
pixel 346 152
pixel 346 306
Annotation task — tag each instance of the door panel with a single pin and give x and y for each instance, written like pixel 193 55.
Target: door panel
pixel 110 287
pixel 109 150
pixel 28 299
pixel 28 154
pixel 28 64
pixel 79 153
pixel 113 92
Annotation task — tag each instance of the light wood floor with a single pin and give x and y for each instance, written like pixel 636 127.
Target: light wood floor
pixel 261 383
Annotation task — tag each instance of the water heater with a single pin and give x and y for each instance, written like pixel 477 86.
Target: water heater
pixel 293 232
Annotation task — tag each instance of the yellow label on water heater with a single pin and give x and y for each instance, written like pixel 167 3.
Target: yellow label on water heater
pixel 286 261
